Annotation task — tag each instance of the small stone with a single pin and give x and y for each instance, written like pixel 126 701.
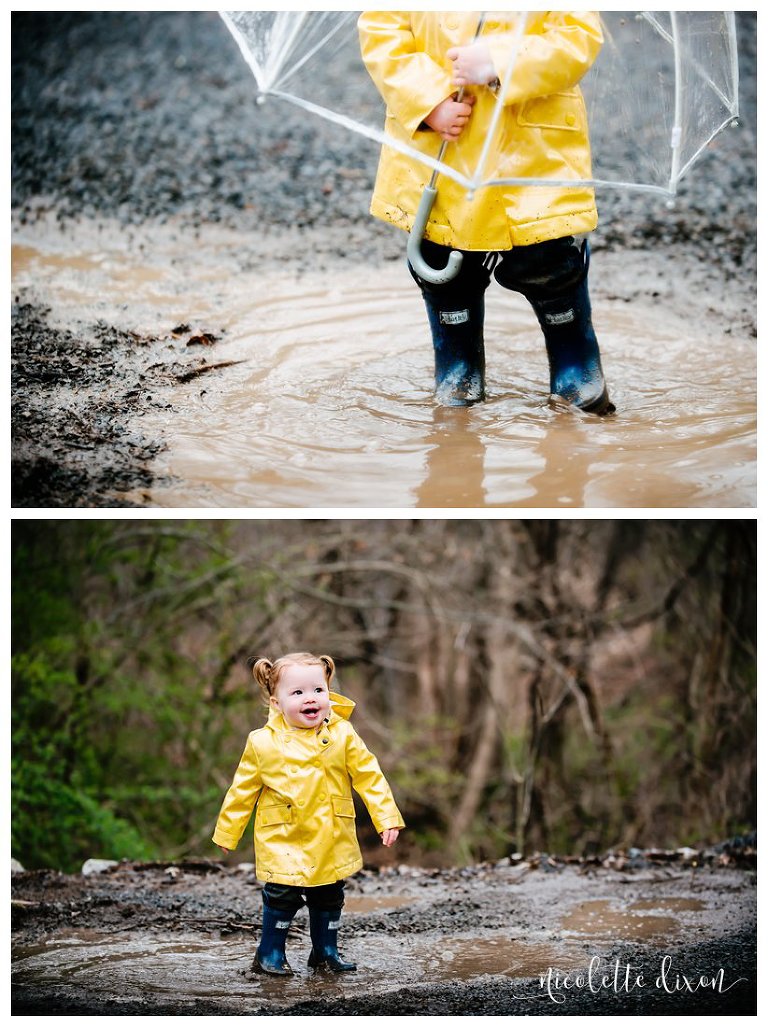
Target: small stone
pixel 687 854
pixel 97 866
pixel 16 867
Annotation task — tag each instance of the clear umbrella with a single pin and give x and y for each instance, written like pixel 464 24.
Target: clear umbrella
pixel 661 87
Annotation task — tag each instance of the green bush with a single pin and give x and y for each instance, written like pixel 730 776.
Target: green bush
pixel 55 825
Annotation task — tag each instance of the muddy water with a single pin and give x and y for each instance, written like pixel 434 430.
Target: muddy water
pixel 375 903
pixel 331 405
pixel 195 966
pixel 135 964
pixel 601 918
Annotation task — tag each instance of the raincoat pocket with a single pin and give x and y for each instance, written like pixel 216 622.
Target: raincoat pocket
pixel 561 111
pixel 342 807
pixel 277 813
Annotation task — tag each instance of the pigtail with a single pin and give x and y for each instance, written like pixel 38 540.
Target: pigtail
pixel 329 669
pixel 262 668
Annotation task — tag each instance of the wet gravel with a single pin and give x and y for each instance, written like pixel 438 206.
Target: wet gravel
pixel 525 902
pixel 150 115
pixel 72 391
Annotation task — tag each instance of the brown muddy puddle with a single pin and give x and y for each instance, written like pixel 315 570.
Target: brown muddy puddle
pixel 601 918
pixel 141 964
pixel 375 903
pixel 135 964
pixel 332 406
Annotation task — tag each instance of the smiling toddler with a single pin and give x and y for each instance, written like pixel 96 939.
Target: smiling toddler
pixel 299 771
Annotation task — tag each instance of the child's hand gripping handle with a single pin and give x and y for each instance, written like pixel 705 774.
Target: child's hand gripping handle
pixel 437 276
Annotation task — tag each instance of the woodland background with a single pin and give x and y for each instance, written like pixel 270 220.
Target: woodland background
pixel 562 686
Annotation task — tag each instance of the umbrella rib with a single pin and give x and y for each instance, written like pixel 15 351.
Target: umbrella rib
pixel 730 17
pixel 691 160
pixel 522 21
pixel 677 127
pixel 245 49
pixel 282 52
pixel 377 135
pixel 571 183
pixel 725 100
pixel 311 53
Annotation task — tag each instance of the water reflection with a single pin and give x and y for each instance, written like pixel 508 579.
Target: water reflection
pixel 455 461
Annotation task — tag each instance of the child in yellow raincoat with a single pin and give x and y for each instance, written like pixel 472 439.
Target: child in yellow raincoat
pixel 299 770
pixel 530 238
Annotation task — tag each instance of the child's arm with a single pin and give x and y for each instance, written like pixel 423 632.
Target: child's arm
pixel 239 801
pixel 372 787
pixel 554 54
pixel 412 84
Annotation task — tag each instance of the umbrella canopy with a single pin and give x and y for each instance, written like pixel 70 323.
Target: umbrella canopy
pixel 661 86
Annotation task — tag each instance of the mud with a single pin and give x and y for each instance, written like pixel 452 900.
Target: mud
pixel 151 193
pixel 73 393
pixel 488 940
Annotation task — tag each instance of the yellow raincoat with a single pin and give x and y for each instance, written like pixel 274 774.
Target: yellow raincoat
pixel 304 831
pixel 543 129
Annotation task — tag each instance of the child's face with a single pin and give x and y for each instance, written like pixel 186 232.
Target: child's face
pixel 301 695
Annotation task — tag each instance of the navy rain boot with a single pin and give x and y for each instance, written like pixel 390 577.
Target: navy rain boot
pixel 575 371
pixel 456 311
pixel 323 929
pixel 270 955
pixel 457 337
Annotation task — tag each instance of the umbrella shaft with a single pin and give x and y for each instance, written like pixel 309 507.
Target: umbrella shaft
pixel 459 98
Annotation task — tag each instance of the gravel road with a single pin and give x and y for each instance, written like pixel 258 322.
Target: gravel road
pixel 177 939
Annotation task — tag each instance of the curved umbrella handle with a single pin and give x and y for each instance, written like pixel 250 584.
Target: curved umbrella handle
pixel 436 276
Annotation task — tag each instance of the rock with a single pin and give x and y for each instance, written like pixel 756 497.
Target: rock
pixel 97 866
pixel 245 868
pixel 688 855
pixel 16 867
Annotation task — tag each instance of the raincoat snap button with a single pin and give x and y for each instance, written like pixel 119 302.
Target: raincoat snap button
pixel 325 741
pixel 570 119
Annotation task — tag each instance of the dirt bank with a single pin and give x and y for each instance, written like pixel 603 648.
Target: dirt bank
pixel 139 126
pixel 178 939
